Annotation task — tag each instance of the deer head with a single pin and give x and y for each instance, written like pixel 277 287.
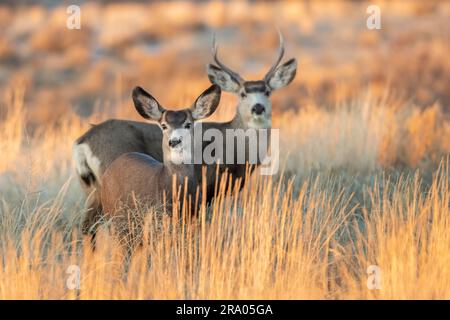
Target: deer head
pixel 177 126
pixel 254 106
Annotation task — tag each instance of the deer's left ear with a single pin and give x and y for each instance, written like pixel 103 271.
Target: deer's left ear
pixel 206 103
pixel 283 75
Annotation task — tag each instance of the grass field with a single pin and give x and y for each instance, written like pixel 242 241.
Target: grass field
pixel 364 135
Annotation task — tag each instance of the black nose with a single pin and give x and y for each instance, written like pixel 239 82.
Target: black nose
pixel 258 109
pixel 174 142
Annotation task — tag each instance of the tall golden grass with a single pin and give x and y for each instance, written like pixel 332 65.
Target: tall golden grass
pixel 308 233
pixel 364 146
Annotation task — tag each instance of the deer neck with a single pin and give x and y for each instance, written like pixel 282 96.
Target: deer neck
pixel 178 162
pixel 182 170
pixel 238 122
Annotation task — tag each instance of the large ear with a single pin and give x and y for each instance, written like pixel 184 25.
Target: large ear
pixel 283 75
pixel 223 79
pixel 146 105
pixel 206 103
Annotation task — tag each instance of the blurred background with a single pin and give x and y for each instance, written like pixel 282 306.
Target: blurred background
pixel 364 141
pixel 165 46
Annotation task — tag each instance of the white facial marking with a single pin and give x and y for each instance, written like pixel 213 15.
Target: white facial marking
pixel 181 153
pixel 262 121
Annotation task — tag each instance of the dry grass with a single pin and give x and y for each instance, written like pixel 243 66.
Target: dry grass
pixel 310 236
pixel 364 152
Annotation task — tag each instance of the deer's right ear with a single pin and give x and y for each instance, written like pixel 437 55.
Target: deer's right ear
pixel 206 103
pixel 221 78
pixel 283 75
pixel 147 106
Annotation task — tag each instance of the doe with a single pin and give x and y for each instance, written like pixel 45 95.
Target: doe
pixel 137 176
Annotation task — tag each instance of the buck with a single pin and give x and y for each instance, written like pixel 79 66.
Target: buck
pixel 135 178
pixel 254 113
pixel 102 144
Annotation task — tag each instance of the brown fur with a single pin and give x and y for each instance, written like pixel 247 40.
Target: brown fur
pixel 136 178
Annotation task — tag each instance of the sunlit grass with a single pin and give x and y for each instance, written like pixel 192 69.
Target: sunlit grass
pixel 268 242
pixel 309 232
pixel 364 151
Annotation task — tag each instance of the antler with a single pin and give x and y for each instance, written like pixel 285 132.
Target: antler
pixel 280 56
pixel 233 74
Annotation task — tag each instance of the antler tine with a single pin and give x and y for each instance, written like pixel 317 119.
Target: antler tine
pixel 280 56
pixel 214 45
pixel 233 74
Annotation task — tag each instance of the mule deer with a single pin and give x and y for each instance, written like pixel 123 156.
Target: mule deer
pixel 254 109
pixel 95 150
pixel 139 176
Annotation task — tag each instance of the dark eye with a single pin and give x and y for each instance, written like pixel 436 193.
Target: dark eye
pixel 163 126
pixel 187 125
pixel 267 93
pixel 243 95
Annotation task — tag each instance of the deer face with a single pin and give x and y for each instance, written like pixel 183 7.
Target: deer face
pixel 177 126
pixel 254 105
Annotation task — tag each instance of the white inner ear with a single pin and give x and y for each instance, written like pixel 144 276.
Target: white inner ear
pixel 151 108
pixel 202 107
pixel 283 75
pixel 223 80
pixel 201 110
